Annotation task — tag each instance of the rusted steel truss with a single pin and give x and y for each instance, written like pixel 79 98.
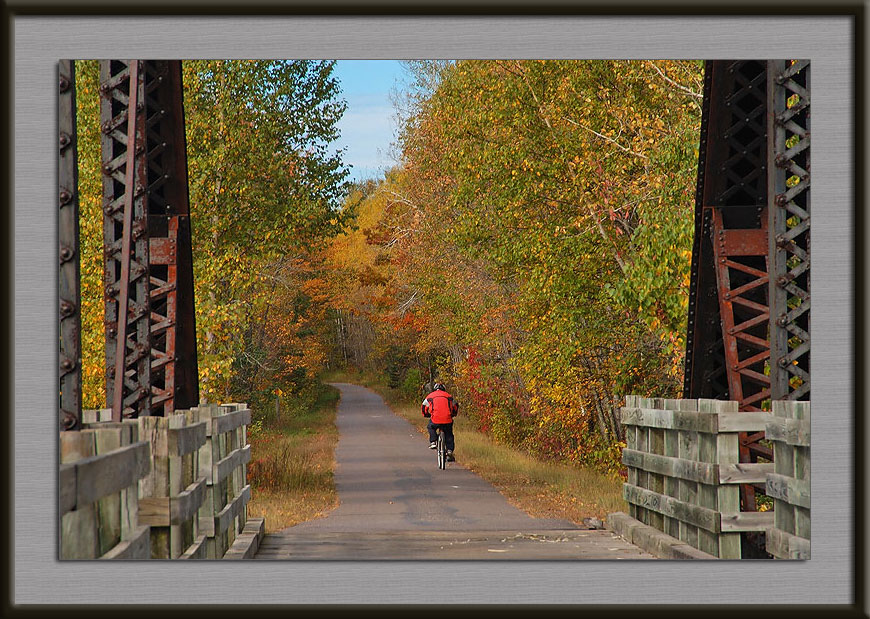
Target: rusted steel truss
pixel 748 331
pixel 68 232
pixel 151 364
pixel 789 188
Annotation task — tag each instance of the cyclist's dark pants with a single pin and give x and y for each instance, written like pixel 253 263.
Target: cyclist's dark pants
pixel 447 428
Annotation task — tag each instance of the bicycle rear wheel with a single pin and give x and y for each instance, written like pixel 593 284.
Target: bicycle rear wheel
pixel 442 451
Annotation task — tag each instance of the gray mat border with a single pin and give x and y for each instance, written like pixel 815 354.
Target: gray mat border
pixel 40 41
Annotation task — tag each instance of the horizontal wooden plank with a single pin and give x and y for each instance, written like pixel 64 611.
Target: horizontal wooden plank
pixel 670 420
pixel 784 545
pixel 164 511
pixel 789 431
pixel 792 409
pixel 185 506
pixel 96 415
pixel 685 512
pixel 248 541
pixel 681 468
pixel 188 439
pixel 744 472
pixel 66 485
pixel 99 476
pixel 197 550
pixel 798 548
pixel 746 521
pixel 238 457
pixel 154 511
pixel 224 423
pixel 223 519
pixel 137 548
pixel 792 491
pixel 744 422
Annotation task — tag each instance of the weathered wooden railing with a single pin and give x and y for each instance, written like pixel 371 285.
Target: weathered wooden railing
pixel 180 491
pixel 170 497
pixel 684 471
pixel 222 463
pixel 98 481
pixel 684 475
pixel 789 484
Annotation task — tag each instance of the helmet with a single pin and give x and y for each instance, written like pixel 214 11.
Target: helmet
pixel 438 387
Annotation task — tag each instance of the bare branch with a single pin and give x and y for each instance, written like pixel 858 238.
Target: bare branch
pixel 604 137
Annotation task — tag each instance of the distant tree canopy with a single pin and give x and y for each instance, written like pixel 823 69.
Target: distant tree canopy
pixel 534 243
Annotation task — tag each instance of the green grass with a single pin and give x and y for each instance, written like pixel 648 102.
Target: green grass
pixel 541 488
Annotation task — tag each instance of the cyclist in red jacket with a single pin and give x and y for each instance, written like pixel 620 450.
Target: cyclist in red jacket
pixel 440 407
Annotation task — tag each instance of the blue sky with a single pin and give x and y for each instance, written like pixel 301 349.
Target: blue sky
pixel 368 126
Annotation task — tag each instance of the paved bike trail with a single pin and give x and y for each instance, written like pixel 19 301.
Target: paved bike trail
pixel 396 504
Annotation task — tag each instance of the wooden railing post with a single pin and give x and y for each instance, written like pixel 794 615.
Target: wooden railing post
pixel 171 496
pixel 222 462
pixel 789 484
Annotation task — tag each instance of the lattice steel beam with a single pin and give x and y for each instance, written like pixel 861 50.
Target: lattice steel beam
pixel 789 212
pixel 150 356
pixel 729 350
pixel 174 373
pixel 68 232
pixel 127 313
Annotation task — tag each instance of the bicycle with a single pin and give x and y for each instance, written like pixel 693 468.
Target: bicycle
pixel 441 449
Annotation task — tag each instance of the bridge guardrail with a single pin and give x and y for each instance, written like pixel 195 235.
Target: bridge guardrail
pixel 98 480
pixel 171 496
pixel 222 461
pixel 179 492
pixel 684 470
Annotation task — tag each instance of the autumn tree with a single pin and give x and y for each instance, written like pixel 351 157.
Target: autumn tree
pixel 540 229
pixel 265 192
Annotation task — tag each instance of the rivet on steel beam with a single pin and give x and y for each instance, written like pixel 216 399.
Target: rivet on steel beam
pixel 106 168
pixel 722 260
pixel 780 199
pixel 110 370
pixel 727 295
pixel 735 367
pixel 140 106
pixel 140 148
pixel 731 331
pixel 782 362
pixel 106 127
pixel 69 420
pixel 64 83
pixel 66 364
pixel 67 308
pixel 64 140
pixel 66 253
pixel 65 197
pixel 111 332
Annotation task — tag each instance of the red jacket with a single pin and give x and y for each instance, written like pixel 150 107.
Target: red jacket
pixel 440 406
